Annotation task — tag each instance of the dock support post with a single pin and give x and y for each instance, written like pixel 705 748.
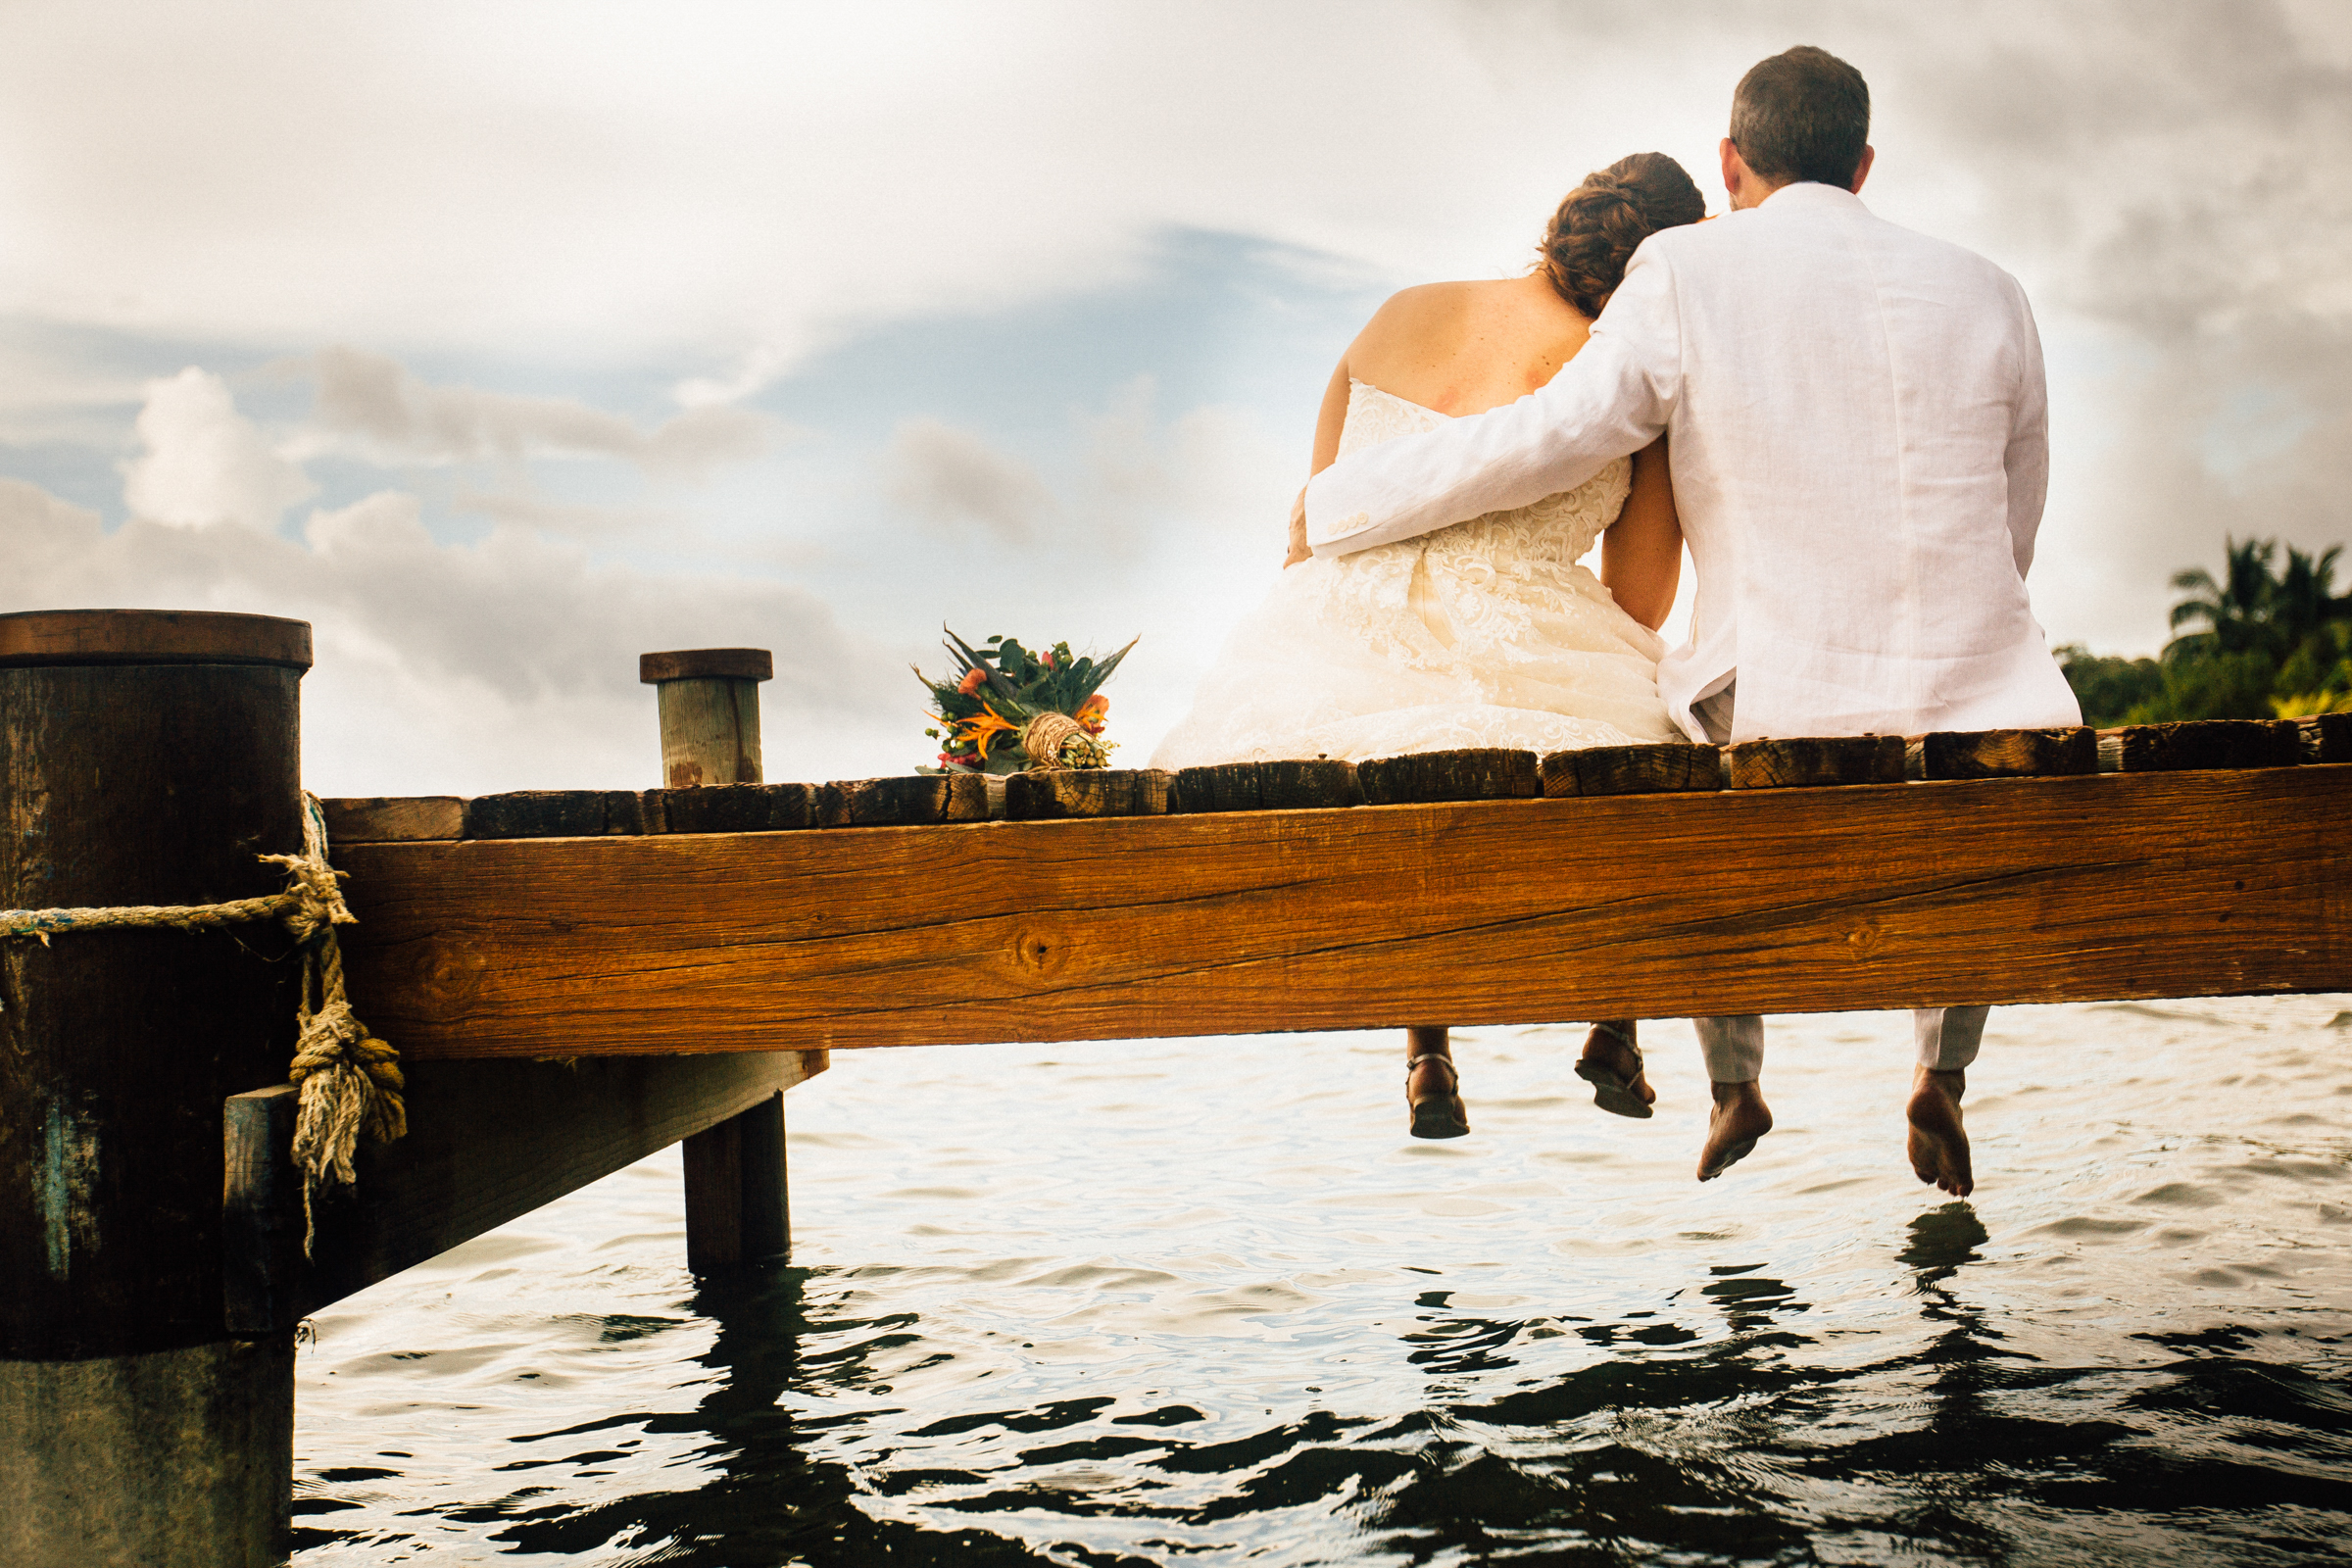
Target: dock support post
pixel 737 1207
pixel 145 758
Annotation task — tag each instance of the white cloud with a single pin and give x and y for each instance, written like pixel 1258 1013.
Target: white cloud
pixel 509 664
pixel 371 401
pixel 947 475
pixel 204 462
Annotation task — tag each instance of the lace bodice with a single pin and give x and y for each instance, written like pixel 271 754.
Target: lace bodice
pixel 1556 530
pixel 1485 634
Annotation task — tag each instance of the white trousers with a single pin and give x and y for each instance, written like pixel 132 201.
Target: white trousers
pixel 1733 1046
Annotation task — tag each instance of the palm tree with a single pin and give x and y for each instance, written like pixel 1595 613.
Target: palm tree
pixel 2254 608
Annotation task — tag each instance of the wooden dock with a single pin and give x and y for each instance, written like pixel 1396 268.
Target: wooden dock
pixel 2075 888
pixel 576 979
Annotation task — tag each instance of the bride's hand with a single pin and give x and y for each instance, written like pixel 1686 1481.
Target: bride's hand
pixel 1298 548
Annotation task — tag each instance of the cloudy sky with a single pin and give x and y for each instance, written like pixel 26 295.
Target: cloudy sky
pixel 505 343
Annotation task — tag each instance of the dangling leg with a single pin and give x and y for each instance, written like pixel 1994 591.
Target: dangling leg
pixel 1432 1087
pixel 1612 1065
pixel 1735 1051
pixel 1948 1038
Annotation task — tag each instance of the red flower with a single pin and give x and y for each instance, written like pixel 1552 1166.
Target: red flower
pixel 973 679
pixel 1092 712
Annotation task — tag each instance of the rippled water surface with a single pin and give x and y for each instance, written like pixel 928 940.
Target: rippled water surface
pixel 1203 1302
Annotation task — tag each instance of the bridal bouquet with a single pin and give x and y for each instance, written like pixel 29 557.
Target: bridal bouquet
pixel 1007 710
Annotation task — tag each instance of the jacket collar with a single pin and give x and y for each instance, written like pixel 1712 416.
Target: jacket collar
pixel 1812 193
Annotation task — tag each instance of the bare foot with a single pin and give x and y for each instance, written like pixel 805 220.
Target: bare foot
pixel 1612 1065
pixel 1739 1119
pixel 1938 1144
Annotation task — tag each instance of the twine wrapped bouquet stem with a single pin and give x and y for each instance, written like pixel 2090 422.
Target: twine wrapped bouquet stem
pixel 351 1084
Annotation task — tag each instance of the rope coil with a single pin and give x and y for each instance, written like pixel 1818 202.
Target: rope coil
pixel 351 1084
pixel 1044 736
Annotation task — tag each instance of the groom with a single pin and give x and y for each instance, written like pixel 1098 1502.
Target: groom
pixel 1858 436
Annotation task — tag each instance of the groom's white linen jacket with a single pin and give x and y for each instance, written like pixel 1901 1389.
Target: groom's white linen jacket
pixel 1858 436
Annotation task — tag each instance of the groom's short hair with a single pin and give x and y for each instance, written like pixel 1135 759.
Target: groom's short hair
pixel 1802 116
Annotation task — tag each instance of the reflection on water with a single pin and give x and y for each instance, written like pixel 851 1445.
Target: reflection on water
pixel 1202 1302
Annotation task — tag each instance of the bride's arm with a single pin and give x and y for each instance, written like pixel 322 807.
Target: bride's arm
pixel 1328 425
pixel 1642 553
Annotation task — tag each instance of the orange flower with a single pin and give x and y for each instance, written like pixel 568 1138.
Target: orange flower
pixel 1090 712
pixel 984 730
pixel 972 680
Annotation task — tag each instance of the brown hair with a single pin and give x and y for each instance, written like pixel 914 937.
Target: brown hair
pixel 1593 233
pixel 1802 116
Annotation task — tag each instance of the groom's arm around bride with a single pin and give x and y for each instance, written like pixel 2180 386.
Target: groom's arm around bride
pixel 1857 432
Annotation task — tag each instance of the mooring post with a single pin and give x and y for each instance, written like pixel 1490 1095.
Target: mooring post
pixel 146 757
pixel 736 1206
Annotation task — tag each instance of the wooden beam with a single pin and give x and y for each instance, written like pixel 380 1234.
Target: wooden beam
pixel 1491 911
pixel 487 1141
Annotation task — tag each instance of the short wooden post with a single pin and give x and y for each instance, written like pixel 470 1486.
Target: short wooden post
pixel 145 758
pixel 737 1208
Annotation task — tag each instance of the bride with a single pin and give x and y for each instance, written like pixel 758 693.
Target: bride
pixel 1486 633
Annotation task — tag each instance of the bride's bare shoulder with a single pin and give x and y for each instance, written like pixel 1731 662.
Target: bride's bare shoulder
pixel 1459 347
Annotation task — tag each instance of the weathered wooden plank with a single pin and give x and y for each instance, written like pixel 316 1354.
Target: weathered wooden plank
pixel 260 1210
pixel 487 1141
pixel 557 814
pixel 2325 737
pixel 1059 792
pixel 2005 752
pixel 1666 769
pixel 1468 774
pixel 394 818
pixel 1640 905
pixel 737 808
pixel 1308 783
pixel 2205 743
pixel 915 798
pixel 1813 762
pixel 975 797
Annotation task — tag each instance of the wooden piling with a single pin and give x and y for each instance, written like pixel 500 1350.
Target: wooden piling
pixel 145 758
pixel 737 1206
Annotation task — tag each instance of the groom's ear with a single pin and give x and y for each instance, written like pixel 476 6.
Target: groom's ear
pixel 1862 168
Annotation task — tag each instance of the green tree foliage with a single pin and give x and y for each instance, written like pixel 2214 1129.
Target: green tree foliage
pixel 2263 642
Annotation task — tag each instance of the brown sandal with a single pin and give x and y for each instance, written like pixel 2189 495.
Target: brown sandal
pixel 1438 1115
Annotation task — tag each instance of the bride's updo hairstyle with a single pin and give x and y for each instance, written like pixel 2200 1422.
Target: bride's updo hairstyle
pixel 1593 233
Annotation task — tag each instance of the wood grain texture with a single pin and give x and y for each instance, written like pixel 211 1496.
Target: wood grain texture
pixel 1669 769
pixel 707 664
pixel 710 730
pixel 1470 774
pixel 1059 792
pixel 1503 911
pixel 2009 753
pixel 1301 784
pixel 1813 762
pixel 261 1211
pixel 134 784
pixel 492 1139
pixel 2326 738
pixel 912 799
pixel 2205 743
pixel 91 637
pixel 975 797
pixel 394 818
pixel 737 808
pixel 558 814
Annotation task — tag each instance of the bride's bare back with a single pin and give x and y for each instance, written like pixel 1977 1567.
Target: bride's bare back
pixel 1464 347
pixel 1458 348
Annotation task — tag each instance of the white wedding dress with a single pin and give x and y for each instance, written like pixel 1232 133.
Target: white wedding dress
pixel 1485 634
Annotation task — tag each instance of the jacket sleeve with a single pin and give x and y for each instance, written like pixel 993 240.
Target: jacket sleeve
pixel 2028 456
pixel 1613 398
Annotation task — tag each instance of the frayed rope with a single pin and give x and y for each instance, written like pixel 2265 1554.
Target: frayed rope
pixel 351 1084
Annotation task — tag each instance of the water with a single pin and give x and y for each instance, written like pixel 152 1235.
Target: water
pixel 1202 1303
